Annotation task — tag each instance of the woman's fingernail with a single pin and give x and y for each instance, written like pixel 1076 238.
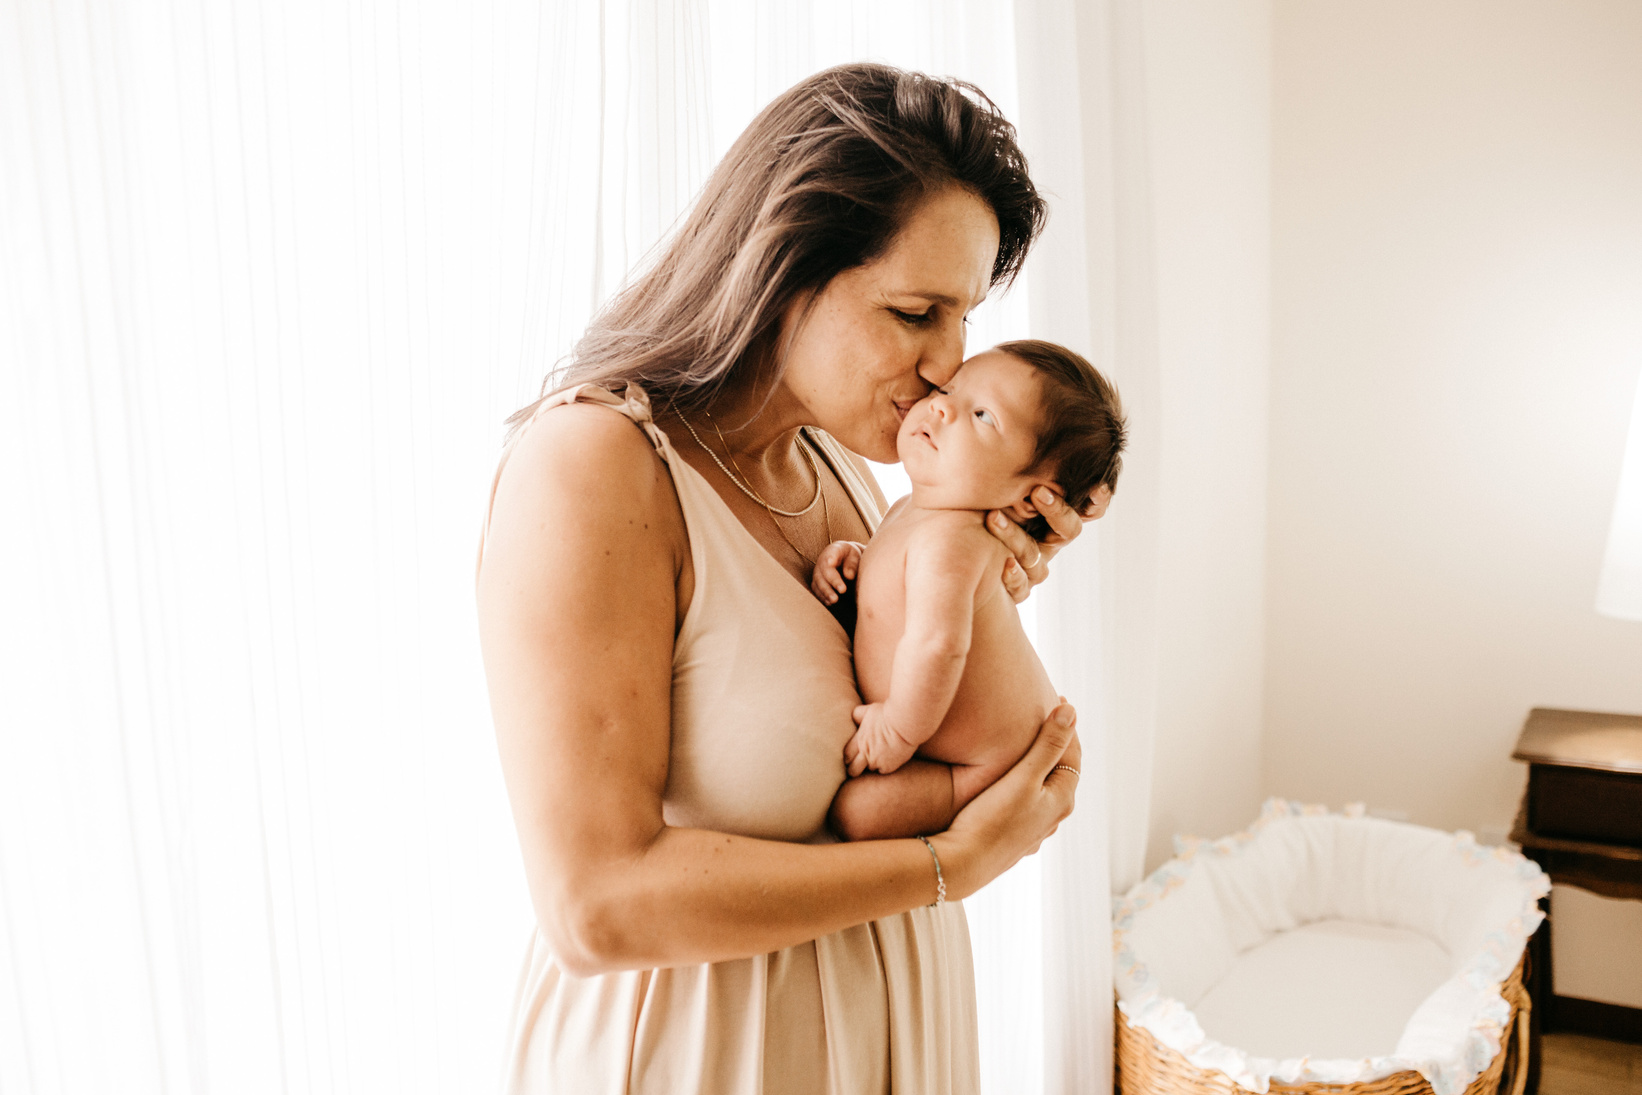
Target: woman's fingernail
pixel 999 522
pixel 1065 715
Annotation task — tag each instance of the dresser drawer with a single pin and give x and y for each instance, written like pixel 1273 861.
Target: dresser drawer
pixel 1585 804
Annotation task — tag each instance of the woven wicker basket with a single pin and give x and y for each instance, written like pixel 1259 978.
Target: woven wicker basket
pixel 1146 1067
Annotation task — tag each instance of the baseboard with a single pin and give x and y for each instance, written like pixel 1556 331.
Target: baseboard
pixel 1615 1022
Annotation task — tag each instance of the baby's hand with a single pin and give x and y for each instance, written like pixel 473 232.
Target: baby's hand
pixel 835 568
pixel 876 745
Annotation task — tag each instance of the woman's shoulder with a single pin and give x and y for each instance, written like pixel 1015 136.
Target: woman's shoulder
pixel 586 467
pixel 582 445
pixel 954 534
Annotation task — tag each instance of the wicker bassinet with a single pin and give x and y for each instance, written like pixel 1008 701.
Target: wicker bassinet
pixel 1147 1067
pixel 1295 868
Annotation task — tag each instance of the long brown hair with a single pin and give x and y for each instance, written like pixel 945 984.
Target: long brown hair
pixel 820 182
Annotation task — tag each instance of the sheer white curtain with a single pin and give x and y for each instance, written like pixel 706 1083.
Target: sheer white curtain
pixel 270 277
pixel 1083 125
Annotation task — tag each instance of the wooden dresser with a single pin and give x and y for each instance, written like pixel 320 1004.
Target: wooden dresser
pixel 1581 820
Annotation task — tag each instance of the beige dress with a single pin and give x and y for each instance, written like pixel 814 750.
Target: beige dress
pixel 763 687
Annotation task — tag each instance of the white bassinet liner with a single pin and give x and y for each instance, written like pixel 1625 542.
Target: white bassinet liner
pixel 1261 904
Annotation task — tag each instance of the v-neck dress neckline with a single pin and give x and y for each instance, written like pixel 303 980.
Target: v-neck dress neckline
pixel 860 496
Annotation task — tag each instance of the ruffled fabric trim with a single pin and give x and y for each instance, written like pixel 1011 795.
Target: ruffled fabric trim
pixel 1449 1068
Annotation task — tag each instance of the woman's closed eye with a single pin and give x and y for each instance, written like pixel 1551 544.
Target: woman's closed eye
pixel 913 319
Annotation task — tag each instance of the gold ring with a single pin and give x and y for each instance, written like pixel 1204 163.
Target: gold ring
pixel 1068 768
pixel 1036 561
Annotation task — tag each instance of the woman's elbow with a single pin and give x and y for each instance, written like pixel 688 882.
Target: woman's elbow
pixel 585 937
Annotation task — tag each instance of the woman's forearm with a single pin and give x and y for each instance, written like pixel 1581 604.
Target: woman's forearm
pixel 699 896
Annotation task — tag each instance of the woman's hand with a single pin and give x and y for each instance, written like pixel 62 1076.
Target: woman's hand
pixel 1029 564
pixel 1011 818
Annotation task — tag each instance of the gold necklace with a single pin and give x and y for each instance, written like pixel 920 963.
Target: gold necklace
pixel 826 517
pixel 737 480
pixel 820 493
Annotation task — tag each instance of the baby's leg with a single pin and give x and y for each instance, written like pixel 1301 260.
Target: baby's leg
pixel 918 798
pixel 914 799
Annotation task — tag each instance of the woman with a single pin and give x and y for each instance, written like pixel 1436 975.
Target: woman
pixel 670 701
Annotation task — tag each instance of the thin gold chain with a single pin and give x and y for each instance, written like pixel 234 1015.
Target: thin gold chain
pixel 826 531
pixel 737 479
pixel 826 517
pixel 820 493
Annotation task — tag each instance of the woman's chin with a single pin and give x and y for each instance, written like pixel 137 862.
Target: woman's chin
pixel 879 448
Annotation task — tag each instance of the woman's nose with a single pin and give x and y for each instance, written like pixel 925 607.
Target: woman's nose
pixel 943 355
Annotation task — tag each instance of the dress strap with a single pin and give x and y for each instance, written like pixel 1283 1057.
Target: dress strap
pixel 634 403
pixel 848 474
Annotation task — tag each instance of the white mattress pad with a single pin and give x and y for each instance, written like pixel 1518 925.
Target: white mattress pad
pixel 1333 988
pixel 1328 948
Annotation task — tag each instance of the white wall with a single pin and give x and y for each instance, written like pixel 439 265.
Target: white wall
pixel 1457 329
pixel 1208 82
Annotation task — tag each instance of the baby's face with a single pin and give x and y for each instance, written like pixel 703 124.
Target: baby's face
pixel 965 446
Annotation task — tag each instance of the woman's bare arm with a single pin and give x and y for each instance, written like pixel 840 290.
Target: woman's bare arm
pixel 578 608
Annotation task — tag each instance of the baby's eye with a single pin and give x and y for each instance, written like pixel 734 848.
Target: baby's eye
pixel 986 417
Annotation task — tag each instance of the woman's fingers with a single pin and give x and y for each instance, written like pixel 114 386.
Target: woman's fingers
pixel 1064 522
pixel 1032 556
pixel 1096 509
pixel 1072 757
pixel 1057 738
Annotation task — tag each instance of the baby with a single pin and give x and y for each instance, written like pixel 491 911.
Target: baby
pixel 941 659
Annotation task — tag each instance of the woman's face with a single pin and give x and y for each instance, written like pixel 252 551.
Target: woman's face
pixel 881 335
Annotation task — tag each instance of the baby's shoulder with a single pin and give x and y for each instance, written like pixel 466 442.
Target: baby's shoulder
pixel 954 532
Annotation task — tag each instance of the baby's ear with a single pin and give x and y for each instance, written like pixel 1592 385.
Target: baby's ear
pixel 1023 510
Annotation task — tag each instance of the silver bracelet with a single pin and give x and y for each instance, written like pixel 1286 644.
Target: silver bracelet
pixel 940 879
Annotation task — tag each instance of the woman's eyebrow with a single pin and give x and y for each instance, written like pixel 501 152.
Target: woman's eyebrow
pixel 932 297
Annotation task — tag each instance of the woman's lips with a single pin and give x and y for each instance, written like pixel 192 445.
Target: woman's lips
pixel 902 406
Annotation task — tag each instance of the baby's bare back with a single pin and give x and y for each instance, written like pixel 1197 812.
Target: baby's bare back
pixel 1004 695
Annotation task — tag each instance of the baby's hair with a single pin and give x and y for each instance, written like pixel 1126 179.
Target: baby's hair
pixel 1082 433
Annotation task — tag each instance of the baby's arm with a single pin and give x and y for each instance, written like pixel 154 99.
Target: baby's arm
pixel 945 565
